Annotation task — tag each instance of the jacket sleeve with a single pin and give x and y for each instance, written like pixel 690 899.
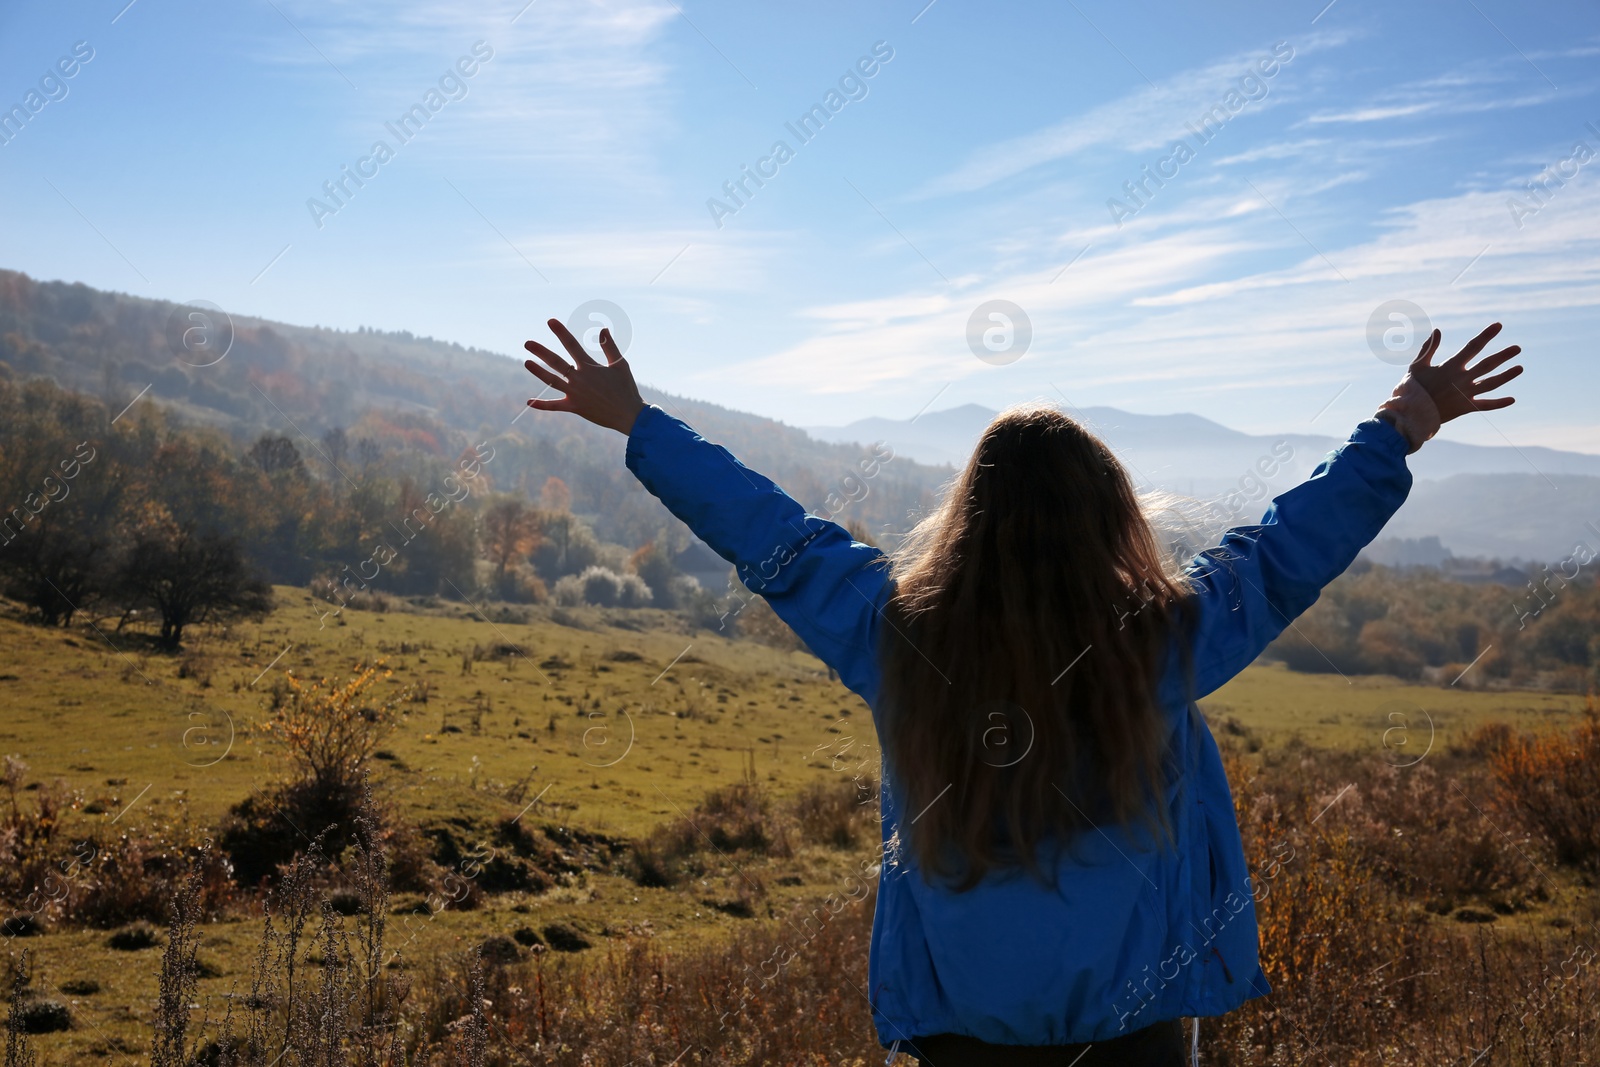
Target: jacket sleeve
pixel 1261 578
pixel 819 580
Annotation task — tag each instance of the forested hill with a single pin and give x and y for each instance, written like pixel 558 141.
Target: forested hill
pixel 411 394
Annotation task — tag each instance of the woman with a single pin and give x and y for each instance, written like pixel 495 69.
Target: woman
pixel 1063 878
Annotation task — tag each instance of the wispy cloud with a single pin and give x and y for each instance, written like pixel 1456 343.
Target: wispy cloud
pixel 575 83
pixel 1150 311
pixel 661 261
pixel 1374 114
pixel 1495 85
pixel 1147 118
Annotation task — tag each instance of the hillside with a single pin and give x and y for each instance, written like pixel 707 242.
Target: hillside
pixel 415 392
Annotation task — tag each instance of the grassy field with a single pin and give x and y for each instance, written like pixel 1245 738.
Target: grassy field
pixel 1375 712
pixel 598 724
pixel 615 722
pixel 614 725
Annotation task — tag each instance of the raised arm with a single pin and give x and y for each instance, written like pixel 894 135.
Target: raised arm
pixel 1260 578
pixel 826 585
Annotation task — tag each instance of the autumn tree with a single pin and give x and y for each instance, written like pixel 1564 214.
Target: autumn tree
pixel 510 532
pixel 654 566
pixel 555 496
pixel 436 543
pixel 566 545
pixel 288 509
pixel 61 476
pixel 184 556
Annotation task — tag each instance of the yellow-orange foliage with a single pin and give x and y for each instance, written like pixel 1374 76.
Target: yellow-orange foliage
pixel 331 729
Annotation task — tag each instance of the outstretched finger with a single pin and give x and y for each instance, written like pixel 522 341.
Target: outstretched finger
pixel 1489 385
pixel 1429 347
pixel 1489 363
pixel 574 348
pixel 1474 346
pixel 558 403
pixel 560 365
pixel 1494 405
pixel 546 376
pixel 608 345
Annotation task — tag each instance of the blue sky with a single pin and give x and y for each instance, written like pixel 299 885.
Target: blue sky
pixel 1382 159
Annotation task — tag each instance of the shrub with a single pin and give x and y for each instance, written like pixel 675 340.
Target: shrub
pixel 697 604
pixel 499 950
pixel 731 818
pixel 836 814
pixel 44 1017
pixel 132 877
pixel 602 588
pixel 759 622
pixel 568 591
pixel 654 566
pixel 523 585
pixel 321 990
pixel 135 937
pixel 25 925
pixel 332 730
pixel 1554 780
pixel 332 733
pixel 564 938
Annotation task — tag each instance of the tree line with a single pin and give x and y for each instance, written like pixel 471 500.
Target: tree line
pixel 135 517
pixel 1418 624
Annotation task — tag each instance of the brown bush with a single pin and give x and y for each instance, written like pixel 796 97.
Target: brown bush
pixel 1554 781
pixel 734 818
pixel 840 814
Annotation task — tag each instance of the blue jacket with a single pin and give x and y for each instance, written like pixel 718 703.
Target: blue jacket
pixel 1132 934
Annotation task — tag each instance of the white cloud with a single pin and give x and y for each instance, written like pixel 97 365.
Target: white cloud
pixel 1145 119
pixel 573 83
pixel 1485 89
pixel 662 261
pixel 1146 313
pixel 1374 114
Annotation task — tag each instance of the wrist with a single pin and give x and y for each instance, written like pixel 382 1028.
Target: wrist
pixel 626 424
pixel 1412 412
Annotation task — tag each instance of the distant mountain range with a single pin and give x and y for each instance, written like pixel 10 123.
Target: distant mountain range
pixel 1509 503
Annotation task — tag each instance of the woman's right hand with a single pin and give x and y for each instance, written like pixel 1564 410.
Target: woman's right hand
pixel 603 393
pixel 1431 396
